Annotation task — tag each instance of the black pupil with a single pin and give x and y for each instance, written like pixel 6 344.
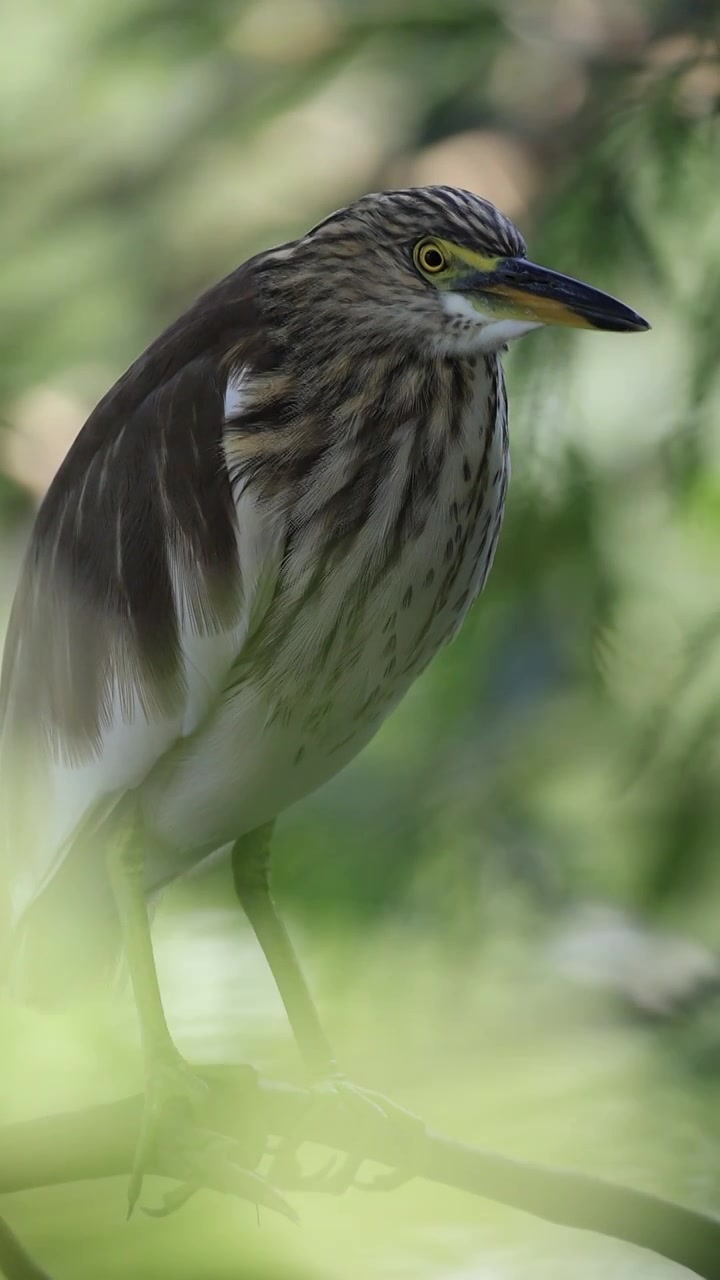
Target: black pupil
pixel 433 258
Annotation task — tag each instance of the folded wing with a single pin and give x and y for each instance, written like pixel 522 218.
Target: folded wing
pixel 133 603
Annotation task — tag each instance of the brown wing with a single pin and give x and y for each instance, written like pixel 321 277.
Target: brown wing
pixel 134 549
pixel 144 479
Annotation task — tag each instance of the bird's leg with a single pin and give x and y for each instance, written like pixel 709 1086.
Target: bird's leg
pixel 251 874
pixel 126 866
pixel 174 1093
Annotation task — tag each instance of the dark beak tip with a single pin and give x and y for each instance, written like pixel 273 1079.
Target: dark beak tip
pixel 638 324
pixel 628 322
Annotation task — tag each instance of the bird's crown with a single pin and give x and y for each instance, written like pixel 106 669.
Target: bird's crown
pixel 405 215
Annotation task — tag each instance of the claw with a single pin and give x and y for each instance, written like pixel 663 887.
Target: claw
pixel 285 1168
pixel 322 1177
pixel 173 1145
pixel 339 1175
pixel 336 1177
pixel 343 1177
pixel 215 1170
pixel 213 1164
pixel 173 1094
pixel 172 1201
pixel 409 1129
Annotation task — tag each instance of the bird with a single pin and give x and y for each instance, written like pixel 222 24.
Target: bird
pixel 262 535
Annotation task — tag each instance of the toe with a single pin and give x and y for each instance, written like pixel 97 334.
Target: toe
pixel 174 1094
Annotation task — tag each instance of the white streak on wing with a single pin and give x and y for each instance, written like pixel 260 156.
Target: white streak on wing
pixel 236 395
pixel 260 533
pixel 206 652
pixel 221 771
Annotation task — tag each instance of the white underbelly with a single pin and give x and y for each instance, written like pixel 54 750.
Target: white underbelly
pixel 242 770
pixel 276 739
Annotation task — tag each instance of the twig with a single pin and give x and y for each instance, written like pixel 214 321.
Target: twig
pixel 15 1263
pixel 99 1141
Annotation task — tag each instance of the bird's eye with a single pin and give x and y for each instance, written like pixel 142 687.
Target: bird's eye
pixel 430 257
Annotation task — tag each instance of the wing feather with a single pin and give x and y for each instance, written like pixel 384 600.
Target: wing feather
pixel 133 599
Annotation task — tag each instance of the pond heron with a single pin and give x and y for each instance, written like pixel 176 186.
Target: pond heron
pixel 261 536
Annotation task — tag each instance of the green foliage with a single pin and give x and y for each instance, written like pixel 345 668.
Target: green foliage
pixel 154 147
pixel 566 746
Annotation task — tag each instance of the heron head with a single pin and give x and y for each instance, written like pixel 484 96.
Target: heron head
pixel 445 266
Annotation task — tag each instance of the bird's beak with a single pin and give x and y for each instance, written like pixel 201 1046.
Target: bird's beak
pixel 520 290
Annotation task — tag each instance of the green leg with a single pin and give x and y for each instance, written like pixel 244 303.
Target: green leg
pixel 172 1090
pixel 174 1093
pixel 126 867
pixel 251 874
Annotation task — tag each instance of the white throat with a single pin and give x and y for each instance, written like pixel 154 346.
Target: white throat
pixel 470 331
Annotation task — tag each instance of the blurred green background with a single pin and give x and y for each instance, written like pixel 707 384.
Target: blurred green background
pixel 508 904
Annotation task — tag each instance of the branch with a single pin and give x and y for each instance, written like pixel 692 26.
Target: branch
pixel 15 1263
pixel 99 1142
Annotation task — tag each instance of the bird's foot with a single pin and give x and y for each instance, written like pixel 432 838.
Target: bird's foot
pixel 174 1145
pixel 174 1096
pixel 361 1114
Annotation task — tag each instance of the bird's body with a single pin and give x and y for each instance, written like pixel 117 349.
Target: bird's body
pixel 345 632
pixel 279 695
pixel 261 536
pixel 259 561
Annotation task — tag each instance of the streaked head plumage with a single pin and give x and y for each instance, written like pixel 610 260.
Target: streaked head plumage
pixel 433 267
pixel 396 220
